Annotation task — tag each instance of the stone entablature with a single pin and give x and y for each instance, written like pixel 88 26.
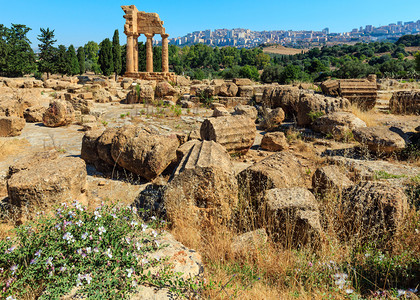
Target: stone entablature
pixel 149 24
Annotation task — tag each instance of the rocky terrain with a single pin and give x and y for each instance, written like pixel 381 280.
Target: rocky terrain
pixel 234 153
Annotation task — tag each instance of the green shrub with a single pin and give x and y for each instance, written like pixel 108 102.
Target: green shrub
pixel 104 253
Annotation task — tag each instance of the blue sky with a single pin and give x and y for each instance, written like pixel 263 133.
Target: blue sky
pixel 76 22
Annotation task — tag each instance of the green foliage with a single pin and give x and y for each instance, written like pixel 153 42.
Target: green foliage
pixel 61 62
pixel 72 63
pixel 46 62
pixel 81 59
pixel 250 72
pixel 417 55
pixel 372 269
pixel 19 58
pixel 106 60
pixel 385 175
pixel 91 52
pixel 409 40
pixel 116 53
pixel 313 115
pixel 105 254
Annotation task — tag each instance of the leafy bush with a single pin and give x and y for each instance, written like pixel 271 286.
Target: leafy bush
pixel 105 254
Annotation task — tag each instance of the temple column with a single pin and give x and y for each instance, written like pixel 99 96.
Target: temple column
pixel 136 53
pixel 165 53
pixel 130 50
pixel 149 52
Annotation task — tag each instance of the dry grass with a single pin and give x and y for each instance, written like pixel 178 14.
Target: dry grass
pixel 12 146
pixel 370 117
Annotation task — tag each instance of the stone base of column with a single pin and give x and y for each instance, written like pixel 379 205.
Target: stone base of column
pixel 158 76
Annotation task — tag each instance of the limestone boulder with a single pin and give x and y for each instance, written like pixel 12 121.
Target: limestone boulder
pixel 285 97
pixel 246 91
pixel 249 241
pixel 126 83
pixel 279 170
pixel 164 89
pixel 272 118
pixel 182 81
pixel 228 89
pixel 246 110
pixel 82 105
pixel 309 105
pixel 293 216
pixel 235 133
pixel 41 186
pixel 204 184
pixel 330 179
pixel 339 124
pixel 380 139
pixel 185 149
pixel 11 126
pixel 31 160
pixel 34 114
pixel 102 96
pixel 220 112
pixel 10 107
pixel 104 146
pixel 89 151
pixel 405 102
pixel 274 141
pixel 59 113
pixel 373 209
pixel 242 81
pixel 141 152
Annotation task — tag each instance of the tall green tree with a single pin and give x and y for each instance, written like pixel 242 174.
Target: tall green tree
pixel 20 56
pixel 72 63
pixel 46 62
pixel 417 55
pixel 116 53
pixel 106 60
pixel 3 48
pixel 91 52
pixel 60 60
pixel 81 59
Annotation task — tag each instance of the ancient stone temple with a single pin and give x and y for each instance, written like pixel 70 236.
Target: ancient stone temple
pixel 149 24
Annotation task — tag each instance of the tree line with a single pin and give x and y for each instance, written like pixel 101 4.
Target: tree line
pixel 385 59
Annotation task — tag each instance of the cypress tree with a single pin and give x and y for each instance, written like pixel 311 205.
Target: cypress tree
pixel 116 53
pixel 46 57
pixel 60 60
pixel 105 57
pixel 81 59
pixel 72 63
pixel 3 48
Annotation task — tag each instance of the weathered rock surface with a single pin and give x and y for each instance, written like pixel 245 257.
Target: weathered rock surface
pixel 142 152
pixel 373 209
pixel 34 114
pixel 279 170
pixel 163 89
pixel 274 141
pixel 145 94
pixel 293 216
pixel 250 240
pixel 220 112
pixel 9 107
pixel 285 97
pixel 204 184
pixel 11 126
pixel 246 110
pixel 246 91
pixel 242 81
pixel 380 139
pixel 313 103
pixel 340 124
pixel 235 133
pixel 330 179
pixel 89 151
pixel 405 102
pixel 228 89
pixel 272 118
pixel 41 185
pixel 59 113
